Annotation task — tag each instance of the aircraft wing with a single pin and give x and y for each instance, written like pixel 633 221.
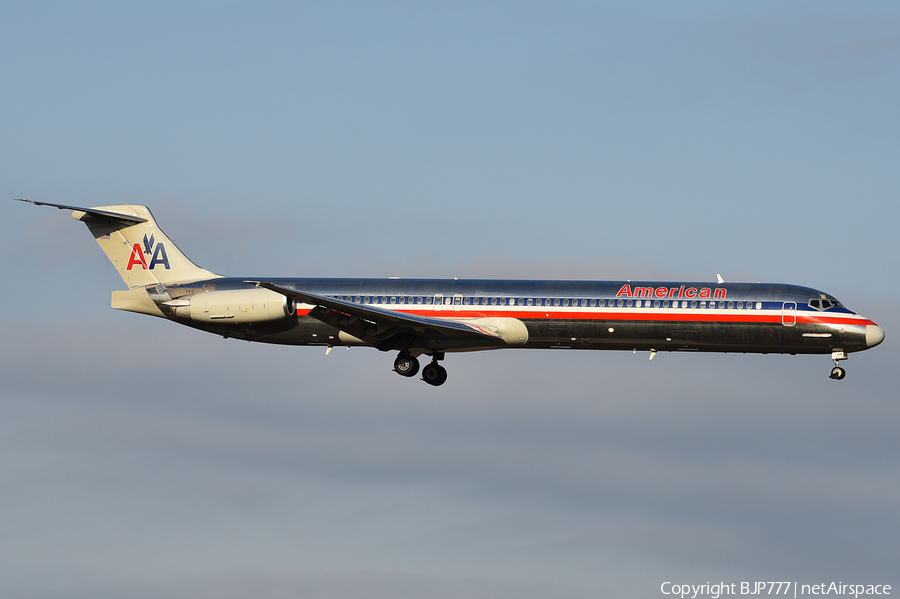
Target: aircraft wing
pixel 380 328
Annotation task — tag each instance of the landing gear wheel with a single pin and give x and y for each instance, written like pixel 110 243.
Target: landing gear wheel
pixel 837 373
pixel 434 374
pixel 406 365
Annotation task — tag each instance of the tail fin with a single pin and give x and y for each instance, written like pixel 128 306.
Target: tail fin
pixel 136 246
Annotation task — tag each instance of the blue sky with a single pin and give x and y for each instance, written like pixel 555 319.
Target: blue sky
pixel 503 140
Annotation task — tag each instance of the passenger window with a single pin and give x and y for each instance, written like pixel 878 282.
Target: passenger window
pixel 665 303
pixel 529 302
pixel 740 305
pixel 629 303
pixel 656 303
pixel 556 302
pixel 693 304
pixel 730 305
pixel 620 303
pixel 493 301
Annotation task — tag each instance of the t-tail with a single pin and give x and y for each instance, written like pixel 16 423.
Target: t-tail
pixel 142 254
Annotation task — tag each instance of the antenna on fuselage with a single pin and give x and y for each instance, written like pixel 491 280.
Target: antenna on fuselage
pixel 719 279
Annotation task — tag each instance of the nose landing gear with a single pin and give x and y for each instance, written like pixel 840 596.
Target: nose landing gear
pixel 838 373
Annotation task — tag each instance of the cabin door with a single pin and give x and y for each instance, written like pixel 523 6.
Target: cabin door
pixel 789 314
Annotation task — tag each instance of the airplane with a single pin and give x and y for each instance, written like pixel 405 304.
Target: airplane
pixel 433 317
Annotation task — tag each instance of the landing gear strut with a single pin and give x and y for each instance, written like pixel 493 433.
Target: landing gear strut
pixel 837 373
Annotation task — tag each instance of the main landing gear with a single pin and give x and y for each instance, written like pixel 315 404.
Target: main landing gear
pixel 433 373
pixel 838 373
pixel 406 365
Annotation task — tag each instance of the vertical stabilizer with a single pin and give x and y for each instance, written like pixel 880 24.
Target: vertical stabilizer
pixel 136 246
pixel 140 251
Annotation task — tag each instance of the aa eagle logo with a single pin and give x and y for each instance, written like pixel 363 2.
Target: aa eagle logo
pixel 157 254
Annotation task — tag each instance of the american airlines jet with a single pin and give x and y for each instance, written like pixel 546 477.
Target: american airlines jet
pixel 431 317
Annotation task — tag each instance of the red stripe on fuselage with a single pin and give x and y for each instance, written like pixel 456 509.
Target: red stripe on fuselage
pixel 746 316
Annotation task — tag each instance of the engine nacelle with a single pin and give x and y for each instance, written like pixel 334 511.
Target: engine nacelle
pixel 512 330
pixel 241 306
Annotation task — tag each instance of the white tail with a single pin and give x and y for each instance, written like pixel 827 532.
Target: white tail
pixel 136 246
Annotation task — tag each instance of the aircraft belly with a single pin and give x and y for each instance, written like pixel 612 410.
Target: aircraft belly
pixel 693 336
pixel 302 330
pixel 624 335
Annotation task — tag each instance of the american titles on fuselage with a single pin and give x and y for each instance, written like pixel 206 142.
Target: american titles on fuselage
pixel 670 292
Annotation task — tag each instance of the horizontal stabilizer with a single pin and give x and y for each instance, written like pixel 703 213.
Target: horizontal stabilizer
pixel 102 215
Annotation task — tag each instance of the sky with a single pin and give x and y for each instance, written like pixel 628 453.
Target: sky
pixel 566 140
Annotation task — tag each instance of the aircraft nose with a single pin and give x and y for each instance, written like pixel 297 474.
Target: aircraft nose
pixel 874 335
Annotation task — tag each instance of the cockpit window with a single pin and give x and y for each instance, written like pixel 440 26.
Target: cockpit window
pixel 824 304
